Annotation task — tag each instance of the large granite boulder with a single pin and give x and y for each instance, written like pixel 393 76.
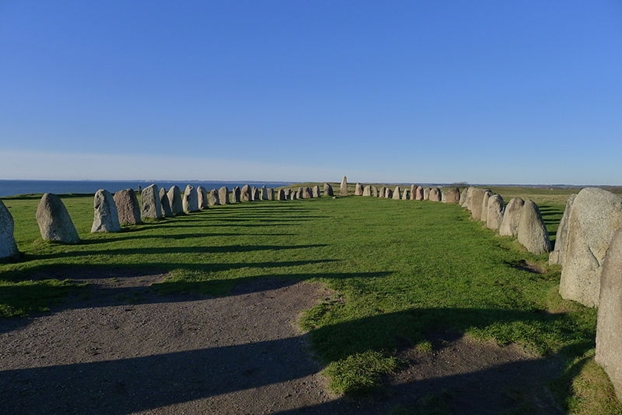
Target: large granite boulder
pixel 476 203
pixel 328 190
pixel 374 191
pixel 270 193
pixel 532 233
pixel 468 197
pixel 495 212
pixel 397 193
pixel 235 195
pixel 151 206
pixel 511 217
pixel 128 208
pixel 254 193
pixel 316 191
pixel 383 192
pixel 484 216
pixel 450 195
pixel 306 193
pixel 426 193
pixel 245 193
pixel 8 247
pixel 413 191
pixel 190 199
pixel 202 198
pixel 595 216
pixel 300 193
pixel 175 200
pixel 54 221
pixel 609 321
pixel 223 195
pixel 263 193
pixel 388 193
pixel 435 195
pixel 561 239
pixel 105 215
pixel 343 188
pixel 405 194
pixel 419 193
pixel 281 195
pixel 167 212
pixel 463 196
pixel 358 189
pixel 213 198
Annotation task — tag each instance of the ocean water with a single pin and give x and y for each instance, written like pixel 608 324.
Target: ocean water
pixel 26 187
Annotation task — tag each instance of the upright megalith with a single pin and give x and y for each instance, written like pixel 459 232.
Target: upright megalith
pixel 388 193
pixel 328 190
pixel 202 197
pixel 235 195
pixel 511 217
pixel 245 193
pixel 495 212
pixel 397 193
pixel 190 199
pixel 270 193
pixel 223 195
pixel 374 191
pixel 468 198
pixel 463 196
pixel 212 198
pixel 405 195
pixel 175 200
pixel 54 221
pixel 435 195
pixel 484 215
pixel 476 203
pixel 280 195
pixel 316 191
pixel 105 215
pixel 419 193
pixel 609 321
pixel 358 189
pixel 382 192
pixel 450 195
pixel 413 191
pixel 595 216
pixel 128 208
pixel 532 233
pixel 8 247
pixel 151 206
pixel 263 193
pixel 300 193
pixel 306 193
pixel 254 193
pixel 558 254
pixel 167 212
pixel 343 188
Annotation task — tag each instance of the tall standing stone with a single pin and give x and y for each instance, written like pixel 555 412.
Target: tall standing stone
pixel 419 193
pixel 450 195
pixel 212 198
pixel 476 203
pixel 435 194
pixel 495 212
pixel 397 193
pixel 151 207
pixel 167 212
pixel 558 254
pixel 235 195
pixel 374 191
pixel 343 188
pixel 468 198
pixel 484 215
pixel 405 194
pixel 300 193
pixel 595 216
pixel 463 197
pixel 532 233
pixel 245 193
pixel 426 193
pixel 223 195
pixel 54 221
pixel 270 193
pixel 128 207
pixel 328 190
pixel 609 321
pixel 367 191
pixel 383 192
pixel 254 193
pixel 306 193
pixel 105 216
pixel 281 195
pixel 316 191
pixel 413 191
pixel 190 199
pixel 202 197
pixel 388 193
pixel 511 217
pixel 263 193
pixel 175 200
pixel 8 247
pixel 358 189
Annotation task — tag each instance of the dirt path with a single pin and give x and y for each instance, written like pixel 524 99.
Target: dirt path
pixel 126 350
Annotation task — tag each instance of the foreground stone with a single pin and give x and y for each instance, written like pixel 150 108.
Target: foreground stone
pixel 558 254
pixel 511 217
pixel 167 212
pixel 128 209
pixel 105 216
pixel 54 221
pixel 190 200
pixel 328 190
pixel 223 195
pixel 397 193
pixel 343 188
pixel 608 333
pixel 495 212
pixel 8 247
pixel 151 207
pixel 450 195
pixel 212 198
pixel 476 202
pixel 175 200
pixel 595 216
pixel 532 233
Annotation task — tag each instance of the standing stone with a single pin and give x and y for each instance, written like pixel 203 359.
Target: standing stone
pixel 235 195
pixel 495 212
pixel 270 193
pixel 8 247
pixel 468 198
pixel 388 193
pixel 167 212
pixel 223 195
pixel 413 191
pixel 288 193
pixel 484 216
pixel 151 209
pixel 435 194
pixel 263 193
pixel 300 193
pixel 419 193
pixel 532 233
pixel 558 254
pixel 306 193
pixel 190 200
pixel 511 217
pixel 281 195
pixel 212 198
pixel 595 216
pixel 128 208
pixel 358 189
pixel 293 195
pixel 383 192
pixel 608 333
pixel 105 216
pixel 343 188
pixel 202 197
pixel 367 191
pixel 175 200
pixel 54 221
pixel 328 190
pixel 450 195
pixel 254 193
pixel 426 193
pixel 397 193
pixel 463 197
pixel 476 202
pixel 245 193
pixel 374 191
pixel 405 194
pixel 316 191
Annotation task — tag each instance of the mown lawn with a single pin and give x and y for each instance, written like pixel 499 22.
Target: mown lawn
pixel 400 270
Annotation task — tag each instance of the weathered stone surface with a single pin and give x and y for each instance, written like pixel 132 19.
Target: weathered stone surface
pixel 235 195
pixel 419 193
pixel 151 207
pixel 281 195
pixel 450 195
pixel 128 209
pixel 608 333
pixel 495 212
pixel 358 189
pixel 254 193
pixel 223 195
pixel 484 216
pixel 435 194
pixel 328 190
pixel 300 193
pixel 532 233
pixel 463 196
pixel 270 193
pixel 316 191
pixel 190 199
pixel 405 194
pixel 293 194
pixel 413 192
pixel 561 240
pixel 468 197
pixel 202 197
pixel 426 193
pixel 175 200
pixel 343 188
pixel 263 193
pixel 105 215
pixel 306 193
pixel 388 193
pixel 167 212
pixel 397 193
pixel 213 198
pixel 54 221
pixel 511 217
pixel 288 193
pixel 383 192
pixel 8 247
pixel 476 202
pixel 245 193
pixel 374 191
pixel 595 216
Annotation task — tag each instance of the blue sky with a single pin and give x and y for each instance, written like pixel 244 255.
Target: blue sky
pixel 399 91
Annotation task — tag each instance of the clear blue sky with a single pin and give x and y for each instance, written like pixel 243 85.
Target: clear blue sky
pixel 482 91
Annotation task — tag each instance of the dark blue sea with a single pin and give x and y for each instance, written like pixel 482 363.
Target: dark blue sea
pixel 60 187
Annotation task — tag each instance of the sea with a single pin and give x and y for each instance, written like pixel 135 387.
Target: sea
pixel 62 187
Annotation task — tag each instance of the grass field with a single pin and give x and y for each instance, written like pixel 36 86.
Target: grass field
pixel 400 270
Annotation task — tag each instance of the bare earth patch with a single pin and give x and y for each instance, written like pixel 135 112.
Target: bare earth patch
pixel 123 349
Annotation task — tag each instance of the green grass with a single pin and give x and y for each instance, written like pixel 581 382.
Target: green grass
pixel 400 270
